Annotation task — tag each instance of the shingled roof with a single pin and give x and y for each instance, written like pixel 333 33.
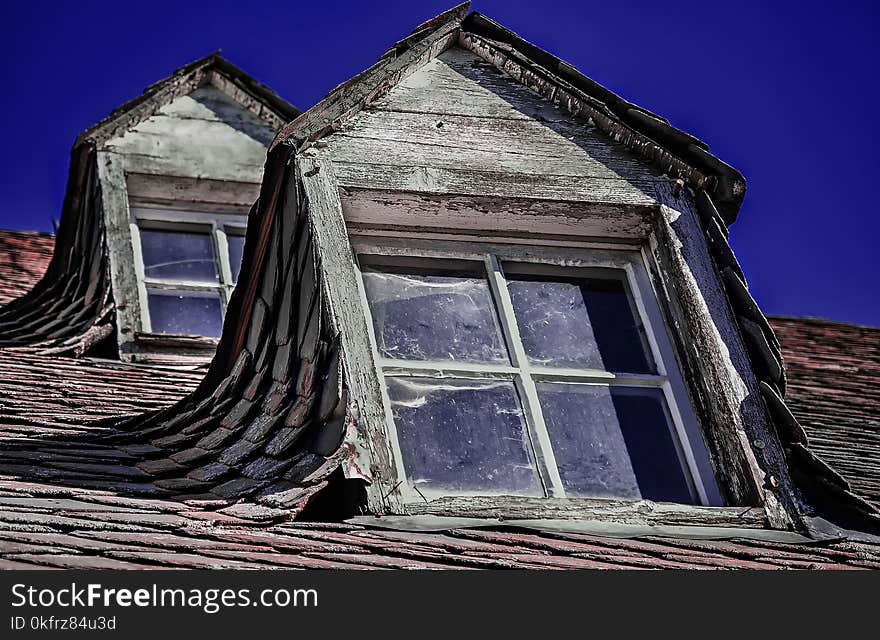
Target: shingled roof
pixel 834 390
pixel 267 421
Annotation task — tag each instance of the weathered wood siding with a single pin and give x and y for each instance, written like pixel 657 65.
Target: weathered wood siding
pixel 205 134
pixel 457 125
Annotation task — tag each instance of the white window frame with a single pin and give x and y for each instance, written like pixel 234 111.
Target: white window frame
pixel 687 432
pixel 218 225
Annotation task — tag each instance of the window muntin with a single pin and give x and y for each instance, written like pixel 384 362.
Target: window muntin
pixel 188 264
pixel 636 435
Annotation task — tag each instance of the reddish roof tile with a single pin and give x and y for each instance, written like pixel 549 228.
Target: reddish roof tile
pixel 24 256
pixel 834 390
pixel 830 368
pixel 136 533
pixel 42 394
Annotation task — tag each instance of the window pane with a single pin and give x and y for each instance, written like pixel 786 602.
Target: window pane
pixel 172 255
pixel 423 316
pixel 613 442
pixel 580 323
pixel 236 250
pixel 463 436
pixel 185 313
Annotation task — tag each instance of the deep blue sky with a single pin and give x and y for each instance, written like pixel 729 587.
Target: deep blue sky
pixel 786 92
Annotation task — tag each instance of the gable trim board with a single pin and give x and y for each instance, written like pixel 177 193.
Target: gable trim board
pixel 245 350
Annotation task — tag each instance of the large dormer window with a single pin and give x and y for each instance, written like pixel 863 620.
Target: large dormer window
pixel 189 264
pixel 544 377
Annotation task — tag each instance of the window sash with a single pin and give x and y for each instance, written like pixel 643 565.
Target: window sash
pixel 526 376
pixel 171 220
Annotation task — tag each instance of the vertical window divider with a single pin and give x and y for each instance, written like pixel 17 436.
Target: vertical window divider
pixel 135 230
pixel 544 458
pixel 221 248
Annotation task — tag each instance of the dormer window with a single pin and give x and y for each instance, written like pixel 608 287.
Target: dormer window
pixel 510 374
pixel 189 266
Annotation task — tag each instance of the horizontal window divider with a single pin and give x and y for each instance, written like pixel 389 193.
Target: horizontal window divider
pixel 450 370
pixel 548 374
pixel 171 285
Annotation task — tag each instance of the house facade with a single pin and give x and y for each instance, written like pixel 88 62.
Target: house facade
pixel 474 289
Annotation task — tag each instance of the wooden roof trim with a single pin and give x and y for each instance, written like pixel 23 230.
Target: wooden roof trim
pixel 426 42
pixel 185 80
pixel 579 104
pixel 646 133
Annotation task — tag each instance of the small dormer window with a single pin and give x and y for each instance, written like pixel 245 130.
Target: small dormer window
pixel 189 264
pixel 516 377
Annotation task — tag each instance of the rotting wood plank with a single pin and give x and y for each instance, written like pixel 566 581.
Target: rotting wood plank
pixel 174 190
pixel 580 104
pixel 490 216
pixel 457 82
pixel 713 357
pixel 114 198
pixel 614 511
pixel 416 141
pixel 349 98
pixel 421 176
pixel 336 261
pixel 476 133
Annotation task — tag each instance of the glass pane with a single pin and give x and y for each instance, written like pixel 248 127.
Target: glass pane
pixel 464 436
pixel 584 323
pixel 173 255
pixel 236 250
pixel 185 313
pixel 613 442
pixel 423 316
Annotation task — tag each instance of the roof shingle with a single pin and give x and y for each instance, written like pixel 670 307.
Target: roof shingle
pixel 24 256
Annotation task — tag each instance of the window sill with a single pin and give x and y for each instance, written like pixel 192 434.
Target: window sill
pixel 171 349
pixel 177 341
pixel 642 512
